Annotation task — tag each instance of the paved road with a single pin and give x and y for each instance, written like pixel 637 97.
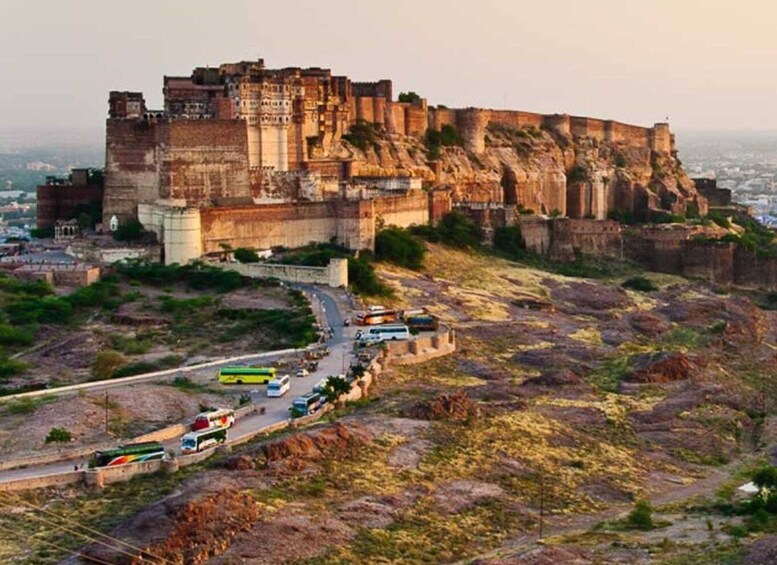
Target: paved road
pixel 326 307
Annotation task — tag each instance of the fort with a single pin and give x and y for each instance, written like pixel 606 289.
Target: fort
pixel 242 155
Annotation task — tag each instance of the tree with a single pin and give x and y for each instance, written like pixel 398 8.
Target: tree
pixel 130 230
pixel 335 388
pixel 509 241
pixel 106 363
pixel 59 435
pixel 458 230
pixel 400 247
pixel 246 255
pixel 411 97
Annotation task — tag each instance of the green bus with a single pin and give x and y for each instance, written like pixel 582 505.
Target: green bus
pixel 197 441
pixel 131 453
pixel 246 375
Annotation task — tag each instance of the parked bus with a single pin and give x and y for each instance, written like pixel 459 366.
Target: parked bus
pixel 425 323
pixel 216 418
pixel 279 386
pixel 377 317
pixel 131 453
pixel 305 405
pixel 246 375
pixel 194 442
pixel 411 312
pixel 383 333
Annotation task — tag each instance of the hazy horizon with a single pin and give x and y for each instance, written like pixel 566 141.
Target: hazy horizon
pixel 700 63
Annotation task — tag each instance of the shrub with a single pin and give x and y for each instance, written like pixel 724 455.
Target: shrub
pixel 719 218
pixel 335 388
pixel 619 160
pixel 458 230
pixel 106 362
pixel 32 309
pixel 411 97
pixel 623 216
pixel 363 280
pixel 167 362
pixel 15 336
pixel 577 174
pixel 58 435
pixel 641 517
pixel 508 240
pixel 129 230
pixel 361 135
pixel 639 283
pixel 400 247
pixel 244 255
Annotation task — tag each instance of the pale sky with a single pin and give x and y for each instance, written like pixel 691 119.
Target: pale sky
pixel 707 64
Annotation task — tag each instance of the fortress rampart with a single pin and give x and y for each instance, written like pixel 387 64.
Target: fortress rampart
pixel 472 124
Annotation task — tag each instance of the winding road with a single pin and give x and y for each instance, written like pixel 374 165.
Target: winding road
pixel 328 311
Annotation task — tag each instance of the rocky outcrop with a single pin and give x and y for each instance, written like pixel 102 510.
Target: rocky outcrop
pixel 537 169
pixel 457 406
pixel 183 528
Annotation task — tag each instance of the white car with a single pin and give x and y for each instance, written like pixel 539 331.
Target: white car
pixel 302 373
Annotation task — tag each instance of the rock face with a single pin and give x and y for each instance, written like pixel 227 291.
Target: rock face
pixel 457 406
pixel 189 528
pixel 573 172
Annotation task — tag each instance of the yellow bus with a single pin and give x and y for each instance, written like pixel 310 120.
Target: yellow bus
pixel 246 375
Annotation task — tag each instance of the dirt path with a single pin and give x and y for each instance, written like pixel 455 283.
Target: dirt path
pixel 579 524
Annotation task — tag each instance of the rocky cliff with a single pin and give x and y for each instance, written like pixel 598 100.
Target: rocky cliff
pixel 546 170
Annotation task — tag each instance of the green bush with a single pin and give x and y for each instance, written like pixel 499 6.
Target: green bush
pixel 362 135
pixel 106 362
pixel 577 174
pixel 42 233
pixel 411 97
pixel 719 218
pixel 59 435
pixel 167 362
pixel 623 216
pixel 363 280
pixel 45 310
pixel 640 284
pixel 400 247
pixel 508 240
pixel 15 336
pixel 457 230
pixel 244 255
pixel 10 368
pixel 335 388
pixel 619 160
pixel 641 517
pixel 128 230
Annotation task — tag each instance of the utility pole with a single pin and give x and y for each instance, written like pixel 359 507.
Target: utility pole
pixel 106 412
pixel 542 504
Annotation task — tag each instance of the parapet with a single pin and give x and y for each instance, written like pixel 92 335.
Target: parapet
pixel 126 104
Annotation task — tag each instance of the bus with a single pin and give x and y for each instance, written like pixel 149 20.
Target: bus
pixel 377 317
pixel 305 405
pixel 383 333
pixel 246 375
pixel 130 453
pixel 194 442
pixel 279 386
pixel 422 323
pixel 216 418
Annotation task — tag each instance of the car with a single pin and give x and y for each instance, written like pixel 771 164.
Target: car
pixel 347 322
pixel 302 373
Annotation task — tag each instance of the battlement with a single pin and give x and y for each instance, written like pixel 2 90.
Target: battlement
pixel 472 123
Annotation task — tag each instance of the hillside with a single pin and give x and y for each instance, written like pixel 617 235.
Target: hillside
pixel 567 400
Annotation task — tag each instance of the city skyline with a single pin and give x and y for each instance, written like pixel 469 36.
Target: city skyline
pixel 604 59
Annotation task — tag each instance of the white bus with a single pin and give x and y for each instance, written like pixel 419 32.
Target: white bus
pixel 197 441
pixel 382 333
pixel 279 386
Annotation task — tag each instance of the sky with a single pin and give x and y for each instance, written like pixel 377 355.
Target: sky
pixel 706 64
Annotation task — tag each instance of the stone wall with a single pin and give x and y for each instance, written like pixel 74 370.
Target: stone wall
pixel 60 202
pixel 335 274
